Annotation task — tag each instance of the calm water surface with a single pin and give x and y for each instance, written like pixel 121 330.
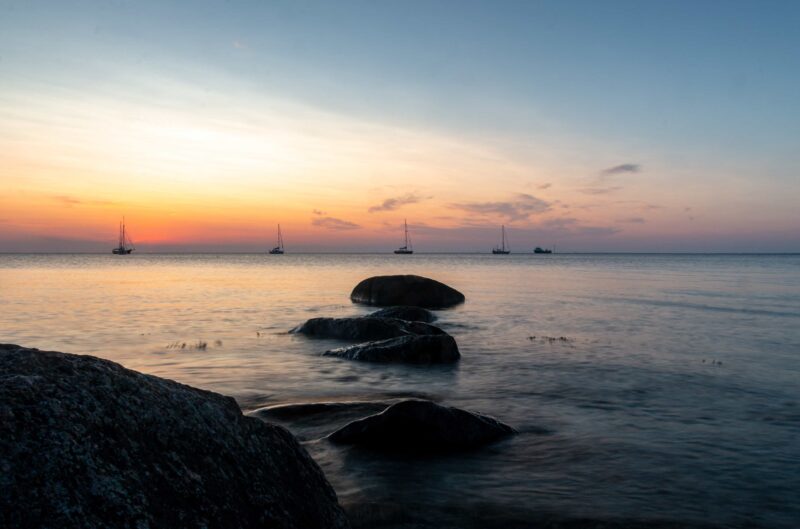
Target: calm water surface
pixel 675 396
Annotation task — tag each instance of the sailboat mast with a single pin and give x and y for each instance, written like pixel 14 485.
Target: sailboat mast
pixel 405 223
pixel 503 236
pixel 280 238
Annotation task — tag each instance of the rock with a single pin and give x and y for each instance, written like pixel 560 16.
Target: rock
pixel 305 410
pixel 87 443
pixel 422 426
pixel 313 420
pixel 404 312
pixel 365 328
pixel 411 349
pixel 410 290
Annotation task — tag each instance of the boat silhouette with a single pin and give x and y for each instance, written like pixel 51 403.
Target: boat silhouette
pixel 502 249
pixel 406 248
pixel 125 245
pixel 278 250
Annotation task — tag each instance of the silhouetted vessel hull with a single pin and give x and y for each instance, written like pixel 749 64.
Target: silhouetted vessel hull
pixel 541 250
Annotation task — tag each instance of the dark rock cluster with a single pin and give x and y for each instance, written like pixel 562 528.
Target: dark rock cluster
pixel 398 333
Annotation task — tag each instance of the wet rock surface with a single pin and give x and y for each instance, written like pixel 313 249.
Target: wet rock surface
pixel 404 312
pixel 410 290
pixel 411 349
pixel 86 443
pixel 420 426
pixel 364 328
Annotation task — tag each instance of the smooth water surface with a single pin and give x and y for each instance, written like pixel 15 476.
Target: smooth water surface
pixel 674 395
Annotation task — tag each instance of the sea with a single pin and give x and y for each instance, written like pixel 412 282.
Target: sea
pixel 648 390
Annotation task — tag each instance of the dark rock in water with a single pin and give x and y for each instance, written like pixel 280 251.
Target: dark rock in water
pixel 365 328
pixel 304 410
pixel 412 349
pixel 422 426
pixel 313 420
pixel 405 313
pixel 409 290
pixel 86 443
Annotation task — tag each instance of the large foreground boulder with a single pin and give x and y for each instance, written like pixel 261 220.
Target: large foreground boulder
pixel 364 328
pixel 86 443
pixel 412 349
pixel 404 312
pixel 422 426
pixel 410 290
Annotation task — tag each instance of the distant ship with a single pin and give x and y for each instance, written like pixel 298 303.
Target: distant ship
pixel 541 250
pixel 406 248
pixel 502 249
pixel 125 246
pixel 278 250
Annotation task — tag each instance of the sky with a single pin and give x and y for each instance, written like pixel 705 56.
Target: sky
pixel 593 126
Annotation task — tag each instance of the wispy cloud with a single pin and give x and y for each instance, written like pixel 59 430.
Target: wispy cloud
pixel 332 223
pixel 633 220
pixel 597 231
pixel 391 204
pixel 546 185
pixel 621 169
pixel 239 45
pixel 600 190
pixel 69 201
pixel 559 223
pixel 521 207
pixel 319 212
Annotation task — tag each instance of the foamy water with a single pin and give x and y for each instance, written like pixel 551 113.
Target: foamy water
pixel 675 395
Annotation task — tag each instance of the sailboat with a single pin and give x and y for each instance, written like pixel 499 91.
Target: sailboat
pixel 125 245
pixel 406 248
pixel 502 249
pixel 278 250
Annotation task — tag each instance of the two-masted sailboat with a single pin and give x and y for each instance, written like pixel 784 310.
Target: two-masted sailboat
pixel 278 250
pixel 503 249
pixel 125 245
pixel 406 248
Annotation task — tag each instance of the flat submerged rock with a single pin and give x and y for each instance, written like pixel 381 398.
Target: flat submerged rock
pixel 363 328
pixel 409 290
pixel 421 426
pixel 87 443
pixel 412 349
pixel 404 312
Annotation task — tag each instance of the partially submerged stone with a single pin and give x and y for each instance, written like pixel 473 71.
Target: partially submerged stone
pixel 305 410
pixel 364 328
pixel 412 290
pixel 411 349
pixel 405 312
pixel 421 426
pixel 86 443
